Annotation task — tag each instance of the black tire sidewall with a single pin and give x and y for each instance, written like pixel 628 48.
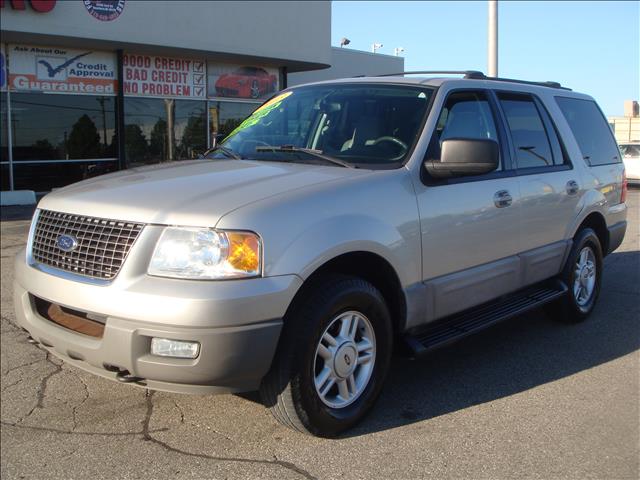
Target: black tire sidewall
pixel 585 238
pixel 318 417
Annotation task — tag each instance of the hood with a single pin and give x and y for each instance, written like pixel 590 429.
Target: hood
pixel 190 193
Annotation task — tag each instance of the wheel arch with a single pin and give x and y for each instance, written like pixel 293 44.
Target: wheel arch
pixel 596 221
pixel 373 268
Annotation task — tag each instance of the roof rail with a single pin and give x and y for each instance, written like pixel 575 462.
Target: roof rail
pixel 467 73
pixel 476 75
pixel 549 84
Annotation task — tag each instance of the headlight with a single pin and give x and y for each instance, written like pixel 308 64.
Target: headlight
pixel 203 253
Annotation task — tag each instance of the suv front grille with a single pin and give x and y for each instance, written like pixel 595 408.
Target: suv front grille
pixel 101 245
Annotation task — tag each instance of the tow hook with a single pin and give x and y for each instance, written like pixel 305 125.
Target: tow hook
pixel 125 377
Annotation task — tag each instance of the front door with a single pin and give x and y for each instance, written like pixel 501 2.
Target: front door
pixel 469 225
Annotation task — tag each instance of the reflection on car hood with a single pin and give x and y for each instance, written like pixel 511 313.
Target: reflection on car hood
pixel 196 193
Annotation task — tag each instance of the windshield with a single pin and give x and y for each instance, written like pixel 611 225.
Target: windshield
pixel 372 126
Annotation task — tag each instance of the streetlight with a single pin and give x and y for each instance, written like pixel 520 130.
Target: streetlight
pixel 375 47
pixel 492 43
pixel 344 41
pixel 397 51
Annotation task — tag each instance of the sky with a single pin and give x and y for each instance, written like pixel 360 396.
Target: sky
pixel 592 47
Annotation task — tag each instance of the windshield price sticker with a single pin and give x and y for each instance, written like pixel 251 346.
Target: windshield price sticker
pixel 152 76
pixel 60 70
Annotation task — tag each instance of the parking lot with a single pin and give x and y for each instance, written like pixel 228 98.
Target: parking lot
pixel 530 398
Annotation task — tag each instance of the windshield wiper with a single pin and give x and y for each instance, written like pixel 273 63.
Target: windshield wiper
pixel 226 151
pixel 309 151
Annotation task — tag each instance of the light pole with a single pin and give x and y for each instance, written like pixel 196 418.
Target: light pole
pixel 397 51
pixel 492 40
pixel 375 47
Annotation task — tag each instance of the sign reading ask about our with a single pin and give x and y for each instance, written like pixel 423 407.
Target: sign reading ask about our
pixel 61 70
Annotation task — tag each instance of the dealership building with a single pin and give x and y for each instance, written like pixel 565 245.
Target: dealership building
pixel 93 86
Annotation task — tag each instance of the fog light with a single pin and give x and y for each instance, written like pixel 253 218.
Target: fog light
pixel 165 347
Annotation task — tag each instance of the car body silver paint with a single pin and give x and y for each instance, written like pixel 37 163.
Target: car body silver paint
pixel 450 247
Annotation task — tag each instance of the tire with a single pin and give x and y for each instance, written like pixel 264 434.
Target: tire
pixel 305 357
pixel 583 276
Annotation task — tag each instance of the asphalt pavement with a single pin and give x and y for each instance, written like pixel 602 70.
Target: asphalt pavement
pixel 529 398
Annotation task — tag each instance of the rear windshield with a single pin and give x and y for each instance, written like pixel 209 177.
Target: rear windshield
pixel 591 130
pixel 372 126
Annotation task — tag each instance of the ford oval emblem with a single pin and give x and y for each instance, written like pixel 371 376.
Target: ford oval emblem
pixel 67 243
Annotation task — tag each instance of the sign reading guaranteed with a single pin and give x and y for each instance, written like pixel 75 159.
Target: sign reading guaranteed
pixel 62 70
pixel 153 76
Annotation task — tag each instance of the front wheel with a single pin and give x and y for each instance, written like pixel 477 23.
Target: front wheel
pixel 582 275
pixel 332 358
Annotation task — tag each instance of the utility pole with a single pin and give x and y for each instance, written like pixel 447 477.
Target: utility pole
pixel 492 41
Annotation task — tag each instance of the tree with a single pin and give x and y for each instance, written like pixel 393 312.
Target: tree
pixel 193 137
pixel 43 149
pixel 158 141
pixel 84 140
pixel 135 144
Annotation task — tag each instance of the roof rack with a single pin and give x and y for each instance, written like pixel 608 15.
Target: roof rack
pixel 475 75
pixel 467 73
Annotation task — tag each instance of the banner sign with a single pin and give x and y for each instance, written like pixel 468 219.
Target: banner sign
pixel 61 70
pixel 152 76
pixel 242 81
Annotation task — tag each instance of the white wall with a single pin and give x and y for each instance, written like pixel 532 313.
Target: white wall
pixel 347 63
pixel 296 32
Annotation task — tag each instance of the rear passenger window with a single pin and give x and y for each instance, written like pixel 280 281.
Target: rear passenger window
pixel 590 130
pixel 528 133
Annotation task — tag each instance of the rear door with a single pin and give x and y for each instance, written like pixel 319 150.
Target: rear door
pixel 550 187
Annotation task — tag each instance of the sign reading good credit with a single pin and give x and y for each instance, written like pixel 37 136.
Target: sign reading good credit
pixel 49 69
pixel 152 76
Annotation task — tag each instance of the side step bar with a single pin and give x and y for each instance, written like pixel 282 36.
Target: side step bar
pixel 471 321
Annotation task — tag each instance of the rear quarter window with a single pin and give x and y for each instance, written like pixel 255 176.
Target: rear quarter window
pixel 591 130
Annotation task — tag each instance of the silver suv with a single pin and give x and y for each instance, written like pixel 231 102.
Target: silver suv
pixel 338 221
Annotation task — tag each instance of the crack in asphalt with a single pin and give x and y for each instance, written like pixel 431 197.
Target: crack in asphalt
pixel 7 387
pixel 42 388
pixel 146 435
pixel 74 411
pixel 180 410
pixel 23 365
pixel 89 434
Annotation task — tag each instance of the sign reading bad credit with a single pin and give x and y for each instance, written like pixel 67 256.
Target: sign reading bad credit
pixel 61 70
pixel 152 76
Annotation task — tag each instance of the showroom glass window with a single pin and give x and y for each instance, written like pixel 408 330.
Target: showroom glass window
pixel 163 129
pixel 4 145
pixel 61 139
pixel 225 116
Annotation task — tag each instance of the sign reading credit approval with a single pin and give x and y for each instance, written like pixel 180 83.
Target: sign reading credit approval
pixel 152 76
pixel 61 70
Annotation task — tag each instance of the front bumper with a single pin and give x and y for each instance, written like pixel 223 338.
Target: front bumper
pixel 237 323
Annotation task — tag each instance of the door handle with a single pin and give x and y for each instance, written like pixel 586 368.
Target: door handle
pixel 572 187
pixel 502 199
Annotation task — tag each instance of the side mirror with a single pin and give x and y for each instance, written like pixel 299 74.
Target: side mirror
pixel 461 157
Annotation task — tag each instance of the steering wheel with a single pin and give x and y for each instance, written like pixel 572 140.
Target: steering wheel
pixel 395 140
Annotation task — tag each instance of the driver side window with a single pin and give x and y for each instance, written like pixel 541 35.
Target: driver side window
pixel 465 115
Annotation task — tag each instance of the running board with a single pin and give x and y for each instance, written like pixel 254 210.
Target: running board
pixel 473 320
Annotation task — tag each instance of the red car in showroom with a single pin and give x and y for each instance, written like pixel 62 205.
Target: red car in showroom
pixel 246 82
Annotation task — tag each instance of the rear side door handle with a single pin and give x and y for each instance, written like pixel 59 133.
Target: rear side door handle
pixel 572 187
pixel 502 198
